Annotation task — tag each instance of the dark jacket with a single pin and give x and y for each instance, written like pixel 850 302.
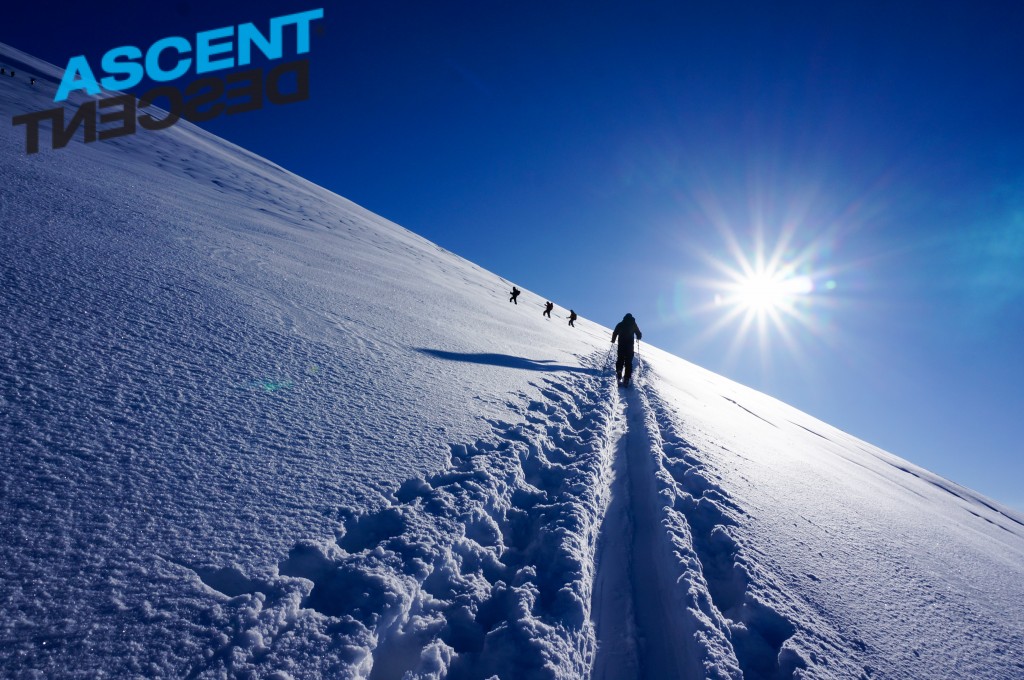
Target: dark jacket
pixel 624 331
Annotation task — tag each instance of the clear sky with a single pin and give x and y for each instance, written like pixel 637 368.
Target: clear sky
pixel 823 201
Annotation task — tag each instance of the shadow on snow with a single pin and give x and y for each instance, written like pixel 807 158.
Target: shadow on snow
pixel 506 360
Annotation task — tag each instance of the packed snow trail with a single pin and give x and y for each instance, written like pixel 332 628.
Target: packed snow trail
pixel 673 596
pixel 638 630
pixel 553 549
pixel 653 617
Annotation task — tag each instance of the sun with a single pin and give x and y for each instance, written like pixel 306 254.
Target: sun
pixel 759 292
pixel 769 291
pixel 765 283
pixel 765 292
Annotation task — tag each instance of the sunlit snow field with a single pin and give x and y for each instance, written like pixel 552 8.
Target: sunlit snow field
pixel 252 429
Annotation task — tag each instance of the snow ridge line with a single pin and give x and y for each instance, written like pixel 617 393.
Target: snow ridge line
pixel 483 568
pixel 737 633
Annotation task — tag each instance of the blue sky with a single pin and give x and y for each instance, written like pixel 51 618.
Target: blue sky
pixel 627 156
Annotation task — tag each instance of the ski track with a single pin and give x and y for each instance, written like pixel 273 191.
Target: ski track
pixel 589 541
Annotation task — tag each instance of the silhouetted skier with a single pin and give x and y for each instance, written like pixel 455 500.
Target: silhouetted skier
pixel 515 294
pixel 624 331
pixel 572 317
pixel 548 306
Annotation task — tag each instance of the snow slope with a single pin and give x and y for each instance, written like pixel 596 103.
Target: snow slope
pixel 252 429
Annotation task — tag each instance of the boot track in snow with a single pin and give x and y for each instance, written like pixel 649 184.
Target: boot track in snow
pixel 582 541
pixel 672 595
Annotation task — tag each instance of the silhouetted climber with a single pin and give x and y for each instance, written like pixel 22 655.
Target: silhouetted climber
pixel 3 71
pixel 548 306
pixel 572 317
pixel 31 81
pixel 515 294
pixel 624 331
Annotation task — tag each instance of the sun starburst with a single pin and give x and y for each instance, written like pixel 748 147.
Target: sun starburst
pixel 766 293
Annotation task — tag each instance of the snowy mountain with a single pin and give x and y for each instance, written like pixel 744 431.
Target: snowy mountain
pixel 252 429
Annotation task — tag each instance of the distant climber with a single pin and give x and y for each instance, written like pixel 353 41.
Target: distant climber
pixel 548 306
pixel 624 331
pixel 515 294
pixel 31 81
pixel 572 318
